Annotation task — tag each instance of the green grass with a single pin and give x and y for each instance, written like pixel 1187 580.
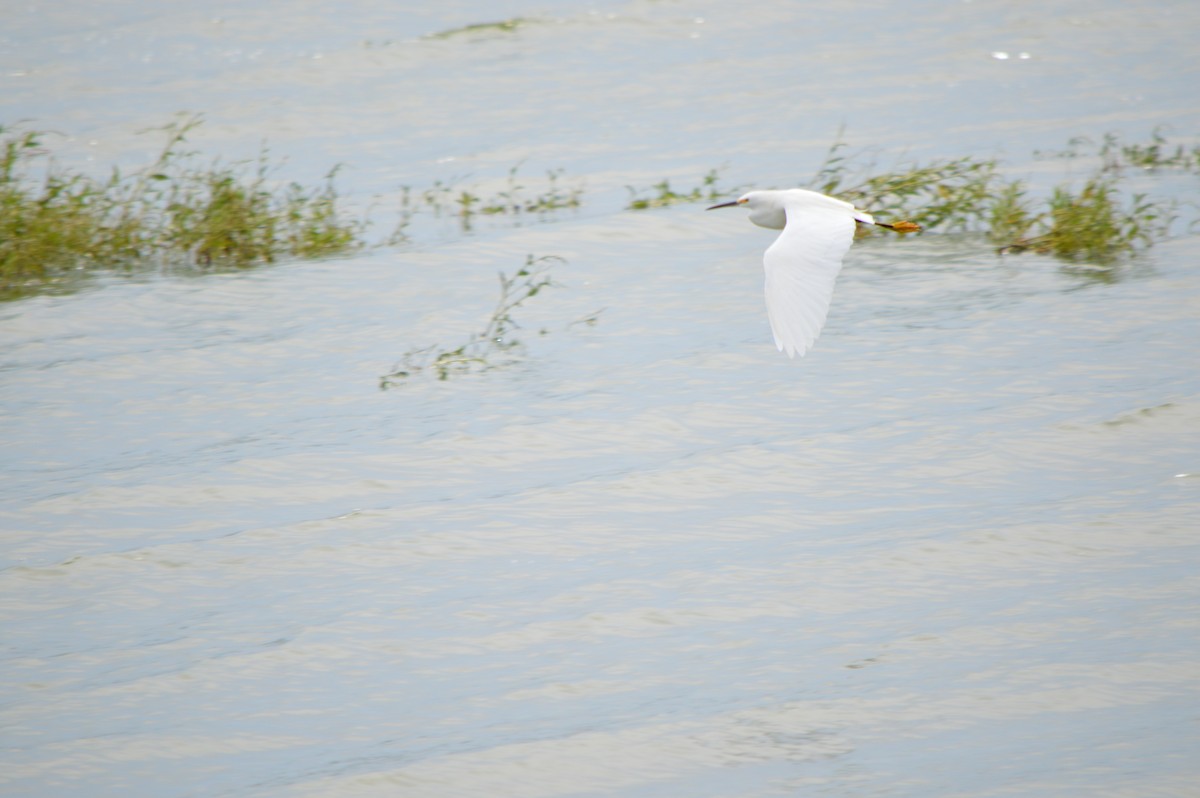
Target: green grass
pixel 173 212
pixel 481 350
pixel 662 195
pixel 180 211
pixel 66 219
pixel 465 204
pixel 1156 155
pixel 1116 155
pixel 224 215
pixel 1092 224
pixel 1094 221
pixel 946 194
pixel 183 212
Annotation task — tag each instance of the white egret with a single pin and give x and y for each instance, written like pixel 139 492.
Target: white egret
pixel 804 261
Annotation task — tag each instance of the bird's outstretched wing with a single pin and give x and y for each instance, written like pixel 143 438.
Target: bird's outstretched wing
pixel 802 266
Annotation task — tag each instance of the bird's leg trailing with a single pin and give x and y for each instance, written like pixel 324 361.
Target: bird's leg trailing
pixel 901 227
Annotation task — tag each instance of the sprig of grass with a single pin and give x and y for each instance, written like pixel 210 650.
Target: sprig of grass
pixel 513 201
pixel 465 204
pixel 707 191
pixel 1116 155
pixel 970 194
pixel 479 351
pixel 502 26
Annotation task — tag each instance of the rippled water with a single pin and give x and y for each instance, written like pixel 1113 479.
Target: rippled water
pixel 952 552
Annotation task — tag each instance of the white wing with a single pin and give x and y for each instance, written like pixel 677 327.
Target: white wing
pixel 802 266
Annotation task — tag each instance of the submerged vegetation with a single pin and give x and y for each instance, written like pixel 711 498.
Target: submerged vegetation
pixel 1092 222
pixel 1096 221
pixel 502 26
pixel 707 191
pixel 1089 225
pixel 948 194
pixel 479 351
pixel 1116 155
pixel 173 211
pixel 465 204
pixel 181 211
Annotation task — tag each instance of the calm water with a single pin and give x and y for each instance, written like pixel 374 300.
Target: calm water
pixel 951 553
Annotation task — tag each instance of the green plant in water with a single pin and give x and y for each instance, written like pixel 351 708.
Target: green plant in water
pixel 707 191
pixel 233 215
pixel 503 26
pixel 513 201
pixel 969 194
pixel 479 350
pixel 952 194
pixel 171 212
pixel 1011 215
pixel 220 217
pixel 1115 155
pixel 66 220
pixel 443 199
pixel 1155 155
pixel 1090 224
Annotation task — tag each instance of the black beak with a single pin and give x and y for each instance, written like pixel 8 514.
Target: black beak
pixel 723 205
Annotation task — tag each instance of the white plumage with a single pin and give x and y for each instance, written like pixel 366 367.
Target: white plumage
pixel 803 263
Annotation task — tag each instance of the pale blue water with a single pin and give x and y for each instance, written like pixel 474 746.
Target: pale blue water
pixel 950 553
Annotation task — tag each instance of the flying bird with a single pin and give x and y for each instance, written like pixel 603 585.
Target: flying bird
pixel 804 261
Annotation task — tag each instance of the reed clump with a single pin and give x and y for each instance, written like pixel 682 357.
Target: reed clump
pixel 947 194
pixel 173 212
pixel 1093 222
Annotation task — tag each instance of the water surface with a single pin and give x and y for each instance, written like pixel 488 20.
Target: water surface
pixel 952 552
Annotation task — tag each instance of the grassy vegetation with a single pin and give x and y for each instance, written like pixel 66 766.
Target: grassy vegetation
pixel 948 194
pixel 479 351
pixel 707 191
pixel 1153 156
pixel 180 211
pixel 503 26
pixel 1115 155
pixel 1093 221
pixel 1091 224
pixel 465 204
pixel 171 212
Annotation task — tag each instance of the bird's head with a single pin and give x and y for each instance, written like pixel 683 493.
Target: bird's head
pixel 766 208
